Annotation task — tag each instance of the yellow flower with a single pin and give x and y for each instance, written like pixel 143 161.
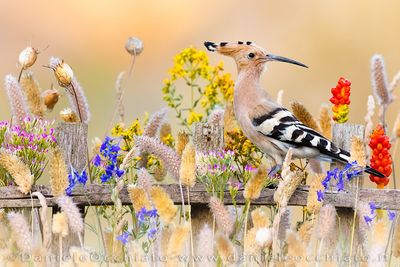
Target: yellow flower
pixel 194 117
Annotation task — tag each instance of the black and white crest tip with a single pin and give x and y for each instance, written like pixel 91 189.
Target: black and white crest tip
pixel 210 46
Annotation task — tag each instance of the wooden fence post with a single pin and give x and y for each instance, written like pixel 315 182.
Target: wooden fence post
pixel 207 137
pixel 72 141
pixel 342 135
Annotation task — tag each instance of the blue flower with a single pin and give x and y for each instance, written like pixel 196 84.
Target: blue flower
pixel 320 195
pixel 123 238
pixel 152 213
pixel 81 178
pixel 96 160
pixel 71 183
pixel 152 232
pixel 368 219
pixel 373 207
pixel 340 184
pixel 391 215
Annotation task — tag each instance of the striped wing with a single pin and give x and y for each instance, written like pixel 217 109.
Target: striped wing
pixel 280 124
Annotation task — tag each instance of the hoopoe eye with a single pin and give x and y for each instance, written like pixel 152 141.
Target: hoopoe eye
pixel 251 55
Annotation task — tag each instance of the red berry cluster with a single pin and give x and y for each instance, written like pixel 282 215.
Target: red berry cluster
pixel 380 159
pixel 341 100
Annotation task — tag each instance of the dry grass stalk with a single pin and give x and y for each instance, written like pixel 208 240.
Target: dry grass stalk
pixel 216 117
pixel 183 139
pixel 396 240
pixel 60 224
pixel 75 220
pixel 229 120
pixel 176 243
pixel 305 231
pixel 303 115
pixel 18 170
pixel 20 231
pixel 279 97
pixel 379 81
pixel 4 231
pixel 166 154
pixel 395 82
pixel 155 122
pixel 364 229
pixel 284 224
pixel 289 183
pixel 396 128
pixel 225 250
pixel 165 235
pixel 379 239
pixel 138 198
pixel 222 216
pixel 369 124
pixel 254 186
pixel 259 217
pixel 252 249
pixel 16 99
pixel 113 247
pixel 119 91
pixel 144 179
pixel 58 174
pixel 325 122
pixel 313 205
pixel 45 223
pixel 205 245
pixel 358 151
pixel 296 250
pixel 326 222
pixel 33 94
pixel 163 203
pixel 187 171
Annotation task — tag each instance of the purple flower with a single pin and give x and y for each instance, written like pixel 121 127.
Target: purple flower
pixel 340 184
pixel 373 207
pixel 391 215
pixel 96 160
pixel 152 232
pixel 123 238
pixel 320 195
pixel 368 219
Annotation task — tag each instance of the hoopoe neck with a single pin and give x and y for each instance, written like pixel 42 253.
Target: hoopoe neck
pixel 248 90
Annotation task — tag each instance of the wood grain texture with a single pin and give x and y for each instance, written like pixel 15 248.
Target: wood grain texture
pixel 96 195
pixel 72 140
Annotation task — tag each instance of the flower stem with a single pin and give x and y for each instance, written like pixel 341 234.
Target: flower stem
pixel 354 222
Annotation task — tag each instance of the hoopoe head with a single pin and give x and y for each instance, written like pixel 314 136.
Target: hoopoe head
pixel 247 55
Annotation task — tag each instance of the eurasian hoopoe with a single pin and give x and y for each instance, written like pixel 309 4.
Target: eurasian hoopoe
pixel 271 127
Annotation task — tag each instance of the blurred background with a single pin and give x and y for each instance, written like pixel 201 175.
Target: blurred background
pixel 334 38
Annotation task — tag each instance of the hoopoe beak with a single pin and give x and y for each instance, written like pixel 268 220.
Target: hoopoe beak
pixel 270 57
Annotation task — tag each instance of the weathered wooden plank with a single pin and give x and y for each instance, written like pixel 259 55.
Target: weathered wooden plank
pixel 96 195
pixel 208 137
pixel 72 140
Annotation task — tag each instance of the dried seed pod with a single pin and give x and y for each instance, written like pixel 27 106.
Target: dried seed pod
pixel 67 115
pixel 64 73
pixel 134 46
pixel 28 57
pixel 50 98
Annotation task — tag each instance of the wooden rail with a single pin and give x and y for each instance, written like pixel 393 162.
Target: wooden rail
pixel 96 195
